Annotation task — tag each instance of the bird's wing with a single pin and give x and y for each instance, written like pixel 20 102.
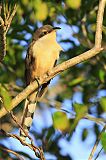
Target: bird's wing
pixel 30 65
pixel 44 87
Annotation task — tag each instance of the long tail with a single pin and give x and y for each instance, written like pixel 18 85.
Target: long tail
pixel 29 109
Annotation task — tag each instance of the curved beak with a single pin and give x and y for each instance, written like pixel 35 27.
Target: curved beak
pixel 55 28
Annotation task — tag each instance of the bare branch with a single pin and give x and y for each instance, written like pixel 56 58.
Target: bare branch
pixel 84 31
pixel 2 38
pixel 98 35
pixel 5 23
pixel 10 151
pixel 16 121
pixel 98 153
pixel 37 150
pixel 2 42
pixel 100 121
pixel 65 65
pixel 1 21
pixel 9 20
pixel 96 143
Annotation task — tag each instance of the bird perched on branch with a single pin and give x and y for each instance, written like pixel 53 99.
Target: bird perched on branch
pixel 41 57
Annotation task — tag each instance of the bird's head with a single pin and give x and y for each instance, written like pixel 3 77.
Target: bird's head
pixel 43 31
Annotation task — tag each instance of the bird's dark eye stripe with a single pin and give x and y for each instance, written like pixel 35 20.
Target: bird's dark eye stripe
pixel 45 32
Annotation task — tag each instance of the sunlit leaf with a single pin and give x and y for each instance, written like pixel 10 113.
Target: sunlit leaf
pixel 5 97
pixel 103 103
pixel 41 10
pixel 103 140
pixel 93 27
pixel 80 109
pixel 52 11
pixel 84 134
pixel 74 4
pixel 60 121
pixel 76 81
pixel 25 2
pixel 102 75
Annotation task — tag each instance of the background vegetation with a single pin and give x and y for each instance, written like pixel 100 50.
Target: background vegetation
pixel 74 93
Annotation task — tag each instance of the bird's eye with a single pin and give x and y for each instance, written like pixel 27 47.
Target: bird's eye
pixel 45 32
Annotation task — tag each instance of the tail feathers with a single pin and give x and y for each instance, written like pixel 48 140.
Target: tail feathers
pixel 29 109
pixel 27 117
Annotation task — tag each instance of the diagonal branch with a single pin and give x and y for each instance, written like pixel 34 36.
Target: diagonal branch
pixel 65 65
pixel 37 150
pixel 10 151
pixel 96 143
pixel 100 121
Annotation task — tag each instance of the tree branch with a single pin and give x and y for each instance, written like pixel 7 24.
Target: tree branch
pixel 65 65
pixel 96 144
pixel 9 20
pixel 10 151
pixel 2 39
pixel 98 35
pixel 37 150
pixel 100 121
pixel 5 23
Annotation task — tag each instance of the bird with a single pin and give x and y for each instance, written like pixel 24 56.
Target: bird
pixel 42 55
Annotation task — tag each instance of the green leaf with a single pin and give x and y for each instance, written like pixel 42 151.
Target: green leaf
pixel 84 134
pixel 5 97
pixel 103 140
pixel 76 81
pixel 93 27
pixel 60 121
pixel 103 103
pixel 74 4
pixel 80 109
pixel 102 75
pixel 41 10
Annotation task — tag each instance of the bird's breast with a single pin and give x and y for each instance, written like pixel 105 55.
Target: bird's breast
pixel 45 53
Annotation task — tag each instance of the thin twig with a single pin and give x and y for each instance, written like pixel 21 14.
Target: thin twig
pixel 96 144
pixel 5 23
pixel 31 146
pixel 10 151
pixel 84 31
pixel 16 121
pixel 2 36
pixel 38 154
pixel 42 154
pixel 2 39
pixel 11 17
pixel 100 121
pixel 1 21
pixel 98 153
pixel 4 10
pixel 2 42
pixel 37 150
